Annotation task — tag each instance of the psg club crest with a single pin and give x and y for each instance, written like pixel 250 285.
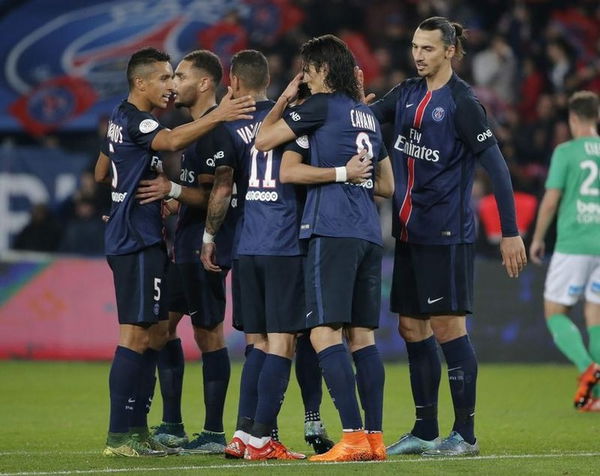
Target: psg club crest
pixel 438 114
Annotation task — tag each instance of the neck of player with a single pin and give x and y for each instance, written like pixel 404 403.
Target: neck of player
pixel 204 103
pixel 441 77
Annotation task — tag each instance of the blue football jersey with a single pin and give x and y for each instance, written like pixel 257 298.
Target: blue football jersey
pixel 242 134
pixel 128 144
pixel 272 209
pixel 201 157
pixel 437 135
pixel 338 127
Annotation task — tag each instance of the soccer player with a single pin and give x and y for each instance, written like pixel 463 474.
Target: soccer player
pixel 440 133
pixel 134 247
pixel 341 223
pixel 193 290
pixel 573 190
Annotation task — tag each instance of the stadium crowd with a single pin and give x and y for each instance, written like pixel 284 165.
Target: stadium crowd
pixel 524 58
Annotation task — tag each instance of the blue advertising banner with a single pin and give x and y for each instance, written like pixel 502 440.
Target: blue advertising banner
pixel 64 62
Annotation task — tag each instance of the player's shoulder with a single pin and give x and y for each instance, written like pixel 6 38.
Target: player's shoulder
pixel 461 90
pixel 566 147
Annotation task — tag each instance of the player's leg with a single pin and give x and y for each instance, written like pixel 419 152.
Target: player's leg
pixel 423 360
pixel 282 281
pixel 329 307
pixel 126 369
pixel 370 373
pixel 565 285
pixel 308 375
pixel 592 320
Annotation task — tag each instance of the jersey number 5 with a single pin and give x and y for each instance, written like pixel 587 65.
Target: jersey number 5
pixel 268 181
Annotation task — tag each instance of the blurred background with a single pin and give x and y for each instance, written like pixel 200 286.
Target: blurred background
pixel 63 70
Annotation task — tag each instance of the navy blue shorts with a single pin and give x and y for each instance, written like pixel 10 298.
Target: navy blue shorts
pixel 140 285
pixel 432 280
pixel 237 316
pixel 272 293
pixel 198 293
pixel 343 282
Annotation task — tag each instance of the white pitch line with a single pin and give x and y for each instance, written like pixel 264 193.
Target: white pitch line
pixel 277 465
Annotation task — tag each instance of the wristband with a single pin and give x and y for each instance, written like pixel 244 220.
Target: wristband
pixel 207 237
pixel 341 174
pixel 175 190
pixel 167 199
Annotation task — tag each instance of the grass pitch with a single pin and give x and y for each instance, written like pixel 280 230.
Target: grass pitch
pixel 54 418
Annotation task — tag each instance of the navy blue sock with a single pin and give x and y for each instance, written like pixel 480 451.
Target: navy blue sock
pixel 143 399
pixel 462 373
pixel 272 384
pixel 123 382
pixel 216 370
pixel 249 385
pixel 370 379
pixel 425 371
pixel 171 365
pixel 308 375
pixel 339 378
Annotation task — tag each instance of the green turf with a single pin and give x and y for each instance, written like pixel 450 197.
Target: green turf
pixel 53 420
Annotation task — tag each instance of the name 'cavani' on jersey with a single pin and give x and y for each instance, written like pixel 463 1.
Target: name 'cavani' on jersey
pixel 437 135
pixel 128 143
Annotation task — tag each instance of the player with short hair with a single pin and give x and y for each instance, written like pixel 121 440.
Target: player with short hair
pixel 192 289
pixel 573 192
pixel 341 223
pixel 440 133
pixel 134 245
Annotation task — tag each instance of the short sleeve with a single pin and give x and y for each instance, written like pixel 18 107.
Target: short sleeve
pixel 385 109
pixel 104 147
pixel 472 125
pixel 224 151
pixel 557 174
pixel 301 146
pixel 143 127
pixel 308 116
pixel 383 153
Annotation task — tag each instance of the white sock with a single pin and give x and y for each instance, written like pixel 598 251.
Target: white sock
pixel 257 442
pixel 242 435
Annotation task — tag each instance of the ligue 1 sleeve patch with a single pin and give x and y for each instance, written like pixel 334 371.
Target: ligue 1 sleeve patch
pixel 302 141
pixel 148 125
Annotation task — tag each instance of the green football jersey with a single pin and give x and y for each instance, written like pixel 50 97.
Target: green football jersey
pixel 574 170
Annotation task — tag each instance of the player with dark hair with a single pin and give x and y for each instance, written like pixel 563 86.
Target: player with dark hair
pixel 193 290
pixel 341 223
pixel 573 191
pixel 134 246
pixel 440 133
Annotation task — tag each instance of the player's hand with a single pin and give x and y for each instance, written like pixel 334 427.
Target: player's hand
pixel 537 251
pixel 359 167
pixel 360 77
pixel 291 91
pixel 208 257
pixel 230 109
pixel 514 258
pixel 152 190
pixel 105 218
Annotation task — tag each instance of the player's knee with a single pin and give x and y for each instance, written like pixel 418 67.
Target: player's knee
pixel 414 330
pixel 209 340
pixel 448 329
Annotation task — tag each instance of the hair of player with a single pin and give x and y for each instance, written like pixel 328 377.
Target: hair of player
pixel 453 34
pixel 303 92
pixel 252 68
pixel 331 51
pixel 208 62
pixel 144 57
pixel 585 104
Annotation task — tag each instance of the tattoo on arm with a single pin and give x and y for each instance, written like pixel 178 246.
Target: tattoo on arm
pixel 219 199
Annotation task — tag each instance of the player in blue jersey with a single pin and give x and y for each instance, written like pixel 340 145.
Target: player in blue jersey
pixel 193 290
pixel 440 133
pixel 134 247
pixel 341 223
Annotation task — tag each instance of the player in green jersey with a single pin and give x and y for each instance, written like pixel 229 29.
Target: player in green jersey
pixel 573 191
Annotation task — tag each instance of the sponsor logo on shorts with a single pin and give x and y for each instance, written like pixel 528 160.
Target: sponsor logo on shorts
pixel 595 288
pixel 575 290
pixel 431 301
pixel 156 309
pixel 118 197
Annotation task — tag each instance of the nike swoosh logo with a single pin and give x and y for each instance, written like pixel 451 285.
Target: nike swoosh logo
pixel 431 301
pixel 308 315
pixel 192 313
pixel 409 105
pixel 131 400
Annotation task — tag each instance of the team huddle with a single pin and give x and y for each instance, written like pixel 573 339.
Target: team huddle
pixel 282 194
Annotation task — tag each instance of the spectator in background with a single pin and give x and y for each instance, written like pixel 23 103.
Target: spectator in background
pixel 559 54
pixel 495 67
pixel 42 233
pixel 84 233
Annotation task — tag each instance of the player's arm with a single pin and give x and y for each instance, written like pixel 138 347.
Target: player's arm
pixel 161 188
pixel 228 110
pixel 545 216
pixel 384 179
pixel 274 130
pixel 102 169
pixel 385 108
pixel 218 204
pixel 293 170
